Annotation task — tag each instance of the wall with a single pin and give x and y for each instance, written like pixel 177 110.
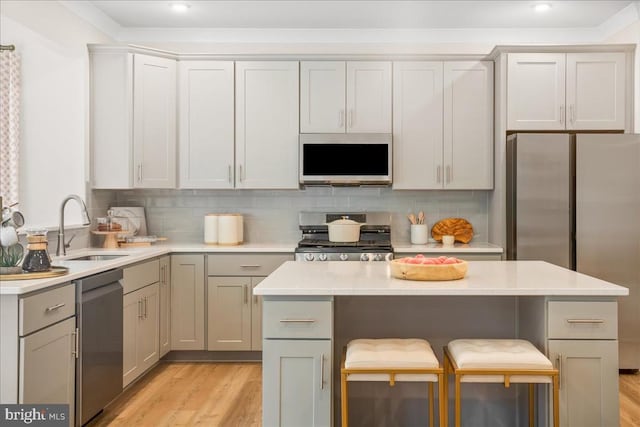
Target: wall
pixel 52 43
pixel 631 34
pixel 272 216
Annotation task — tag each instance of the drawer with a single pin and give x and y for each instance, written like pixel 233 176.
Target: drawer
pixel 297 319
pixel 140 275
pixel 583 320
pixel 46 308
pixel 245 264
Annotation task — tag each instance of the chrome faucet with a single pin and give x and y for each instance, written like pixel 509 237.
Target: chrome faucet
pixel 62 245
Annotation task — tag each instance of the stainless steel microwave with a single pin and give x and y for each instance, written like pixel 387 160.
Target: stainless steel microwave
pixel 345 159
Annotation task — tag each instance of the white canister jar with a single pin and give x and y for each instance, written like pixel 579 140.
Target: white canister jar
pixel 228 229
pixel 419 234
pixel 211 229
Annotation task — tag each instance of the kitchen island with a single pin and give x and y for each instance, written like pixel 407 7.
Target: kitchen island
pixel 311 310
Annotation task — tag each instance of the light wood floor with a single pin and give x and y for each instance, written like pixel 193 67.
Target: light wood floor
pixel 229 395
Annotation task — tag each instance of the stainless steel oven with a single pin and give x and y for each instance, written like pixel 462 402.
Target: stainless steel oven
pixel 345 159
pixel 374 243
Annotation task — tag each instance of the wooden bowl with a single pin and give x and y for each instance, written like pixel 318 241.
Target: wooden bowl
pixel 401 270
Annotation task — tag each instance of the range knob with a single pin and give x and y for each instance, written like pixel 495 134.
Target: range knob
pixel 377 257
pixel 388 257
pixel 308 257
pixel 322 257
pixel 364 257
pixel 344 257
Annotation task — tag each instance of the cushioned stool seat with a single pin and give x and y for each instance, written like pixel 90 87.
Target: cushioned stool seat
pixel 391 360
pixel 499 361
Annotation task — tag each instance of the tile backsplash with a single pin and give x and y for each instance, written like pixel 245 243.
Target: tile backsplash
pixel 271 216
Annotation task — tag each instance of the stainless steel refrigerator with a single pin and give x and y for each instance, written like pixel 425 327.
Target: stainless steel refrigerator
pixel 574 200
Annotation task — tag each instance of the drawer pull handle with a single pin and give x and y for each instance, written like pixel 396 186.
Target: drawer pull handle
pixel 55 307
pixel 585 320
pixel 297 320
pixel 250 266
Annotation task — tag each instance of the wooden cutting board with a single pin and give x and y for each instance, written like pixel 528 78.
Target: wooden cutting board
pixel 460 228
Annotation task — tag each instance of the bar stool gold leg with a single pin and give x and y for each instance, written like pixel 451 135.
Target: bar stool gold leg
pixel 457 400
pixel 344 399
pixel 556 401
pixel 445 385
pixel 431 405
pixel 442 405
pixel 531 404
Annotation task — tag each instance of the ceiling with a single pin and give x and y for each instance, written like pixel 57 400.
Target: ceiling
pixel 359 14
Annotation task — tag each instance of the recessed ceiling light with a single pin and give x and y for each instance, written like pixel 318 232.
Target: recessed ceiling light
pixel 179 7
pixel 542 7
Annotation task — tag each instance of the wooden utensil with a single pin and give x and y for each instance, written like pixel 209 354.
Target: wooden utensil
pixel 412 218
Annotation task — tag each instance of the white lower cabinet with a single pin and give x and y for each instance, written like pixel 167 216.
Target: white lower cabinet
pixel 141 332
pixel 187 302
pixel 48 365
pixel 234 313
pixel 229 304
pixel 297 381
pixel 297 362
pixel 582 343
pixel 165 305
pixel 588 381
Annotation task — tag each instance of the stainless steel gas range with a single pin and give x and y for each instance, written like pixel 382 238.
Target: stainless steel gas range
pixel 374 243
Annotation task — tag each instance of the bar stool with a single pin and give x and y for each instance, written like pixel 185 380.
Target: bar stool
pixel 499 361
pixel 392 360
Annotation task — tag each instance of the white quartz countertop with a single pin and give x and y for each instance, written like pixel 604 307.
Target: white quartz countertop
pixel 79 269
pixel 483 278
pixel 433 247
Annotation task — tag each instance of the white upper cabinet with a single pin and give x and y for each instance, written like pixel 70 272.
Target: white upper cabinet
pixel 468 125
pixel 417 125
pixel 369 97
pixel 536 91
pixel 206 119
pixel 267 115
pixel 154 122
pixel 133 120
pixel 596 90
pixel 111 119
pixel 339 96
pixel 559 91
pixel 443 125
pixel 322 96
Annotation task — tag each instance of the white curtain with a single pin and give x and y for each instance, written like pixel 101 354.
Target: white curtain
pixel 9 126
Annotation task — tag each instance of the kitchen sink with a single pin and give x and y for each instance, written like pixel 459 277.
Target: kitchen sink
pixel 95 258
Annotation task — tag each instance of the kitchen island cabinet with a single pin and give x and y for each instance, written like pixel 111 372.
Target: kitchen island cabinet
pixel 497 299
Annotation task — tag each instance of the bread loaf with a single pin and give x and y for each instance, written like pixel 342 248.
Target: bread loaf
pixel 460 228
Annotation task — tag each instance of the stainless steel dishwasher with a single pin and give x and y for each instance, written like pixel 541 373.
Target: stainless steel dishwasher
pixel 99 367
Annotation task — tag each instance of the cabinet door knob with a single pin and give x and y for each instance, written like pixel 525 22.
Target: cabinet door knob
pixel 562 114
pixel 246 294
pixel 341 119
pixel 438 174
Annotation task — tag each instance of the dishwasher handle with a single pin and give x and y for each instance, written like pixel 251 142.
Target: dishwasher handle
pixel 98 280
pixel 101 291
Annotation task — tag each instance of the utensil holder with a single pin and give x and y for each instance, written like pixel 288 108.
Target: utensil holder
pixel 419 234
